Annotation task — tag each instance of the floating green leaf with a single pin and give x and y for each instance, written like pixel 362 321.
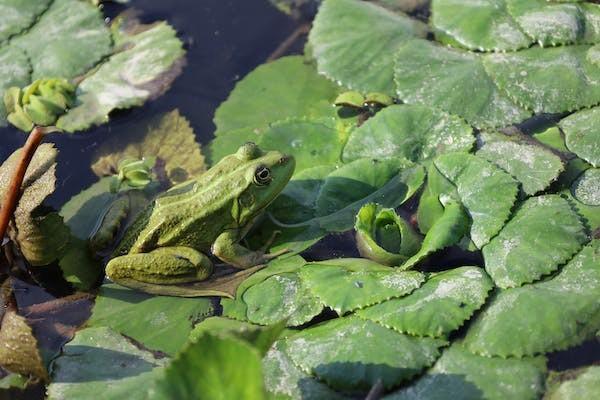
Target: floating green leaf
pixel 267 94
pixel 477 25
pixel 454 81
pixel 345 288
pixel 462 375
pixel 354 43
pixel 529 78
pixel 583 383
pixel 543 234
pixel 14 71
pixel 553 138
pixel 158 322
pixel 19 15
pixel 487 192
pixel 414 132
pixel 545 316
pixel 582 135
pixel 100 361
pixel 586 188
pixel 151 58
pixel 438 307
pixel 41 237
pixel 533 166
pixel 350 353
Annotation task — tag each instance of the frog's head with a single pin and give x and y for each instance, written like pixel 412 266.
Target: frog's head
pixel 266 173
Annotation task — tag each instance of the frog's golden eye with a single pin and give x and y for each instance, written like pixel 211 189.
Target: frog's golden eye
pixel 262 176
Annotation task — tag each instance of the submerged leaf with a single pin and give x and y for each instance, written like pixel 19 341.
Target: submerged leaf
pixel 354 43
pixel 350 353
pixel 440 306
pixel 582 135
pixel 462 375
pixel 542 317
pixel 543 234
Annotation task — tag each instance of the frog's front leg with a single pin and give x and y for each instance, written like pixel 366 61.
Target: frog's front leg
pixel 227 248
pixel 162 266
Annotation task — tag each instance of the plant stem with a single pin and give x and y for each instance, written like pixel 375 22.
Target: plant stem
pixel 9 204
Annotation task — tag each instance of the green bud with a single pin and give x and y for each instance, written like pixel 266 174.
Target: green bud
pixel 378 99
pixel 134 173
pixel 350 99
pixel 41 103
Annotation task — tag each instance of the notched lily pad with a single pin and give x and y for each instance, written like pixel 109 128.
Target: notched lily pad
pixel 582 135
pixel 543 234
pixel 546 316
pixel 347 288
pixel 350 353
pixel 438 307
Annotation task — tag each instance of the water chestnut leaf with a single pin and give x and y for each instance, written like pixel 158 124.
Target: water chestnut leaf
pixel 350 353
pixel 19 15
pixel 440 306
pixel 582 136
pixel 348 288
pixel 487 192
pixel 414 132
pixel 545 316
pixel 573 384
pixel 543 233
pixel 461 374
pixel 586 188
pixel 354 43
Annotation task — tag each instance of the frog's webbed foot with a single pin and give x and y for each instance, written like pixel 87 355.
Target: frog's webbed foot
pixel 162 266
pixel 227 248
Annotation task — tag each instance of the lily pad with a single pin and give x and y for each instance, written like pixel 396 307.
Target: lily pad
pixel 586 188
pixel 50 43
pixel 440 306
pixel 478 25
pixel 533 166
pixel 348 288
pixel 543 234
pixel 350 353
pixel 546 316
pixel 170 139
pixel 100 361
pixel 283 378
pixel 462 375
pixel 19 15
pixel 583 383
pixel 582 135
pixel 414 132
pixel 454 81
pixel 158 322
pixel 151 58
pixel 41 237
pixel 267 94
pixel 553 80
pixel 354 43
pixel 487 192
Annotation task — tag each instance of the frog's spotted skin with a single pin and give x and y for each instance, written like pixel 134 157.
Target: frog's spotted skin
pixel 212 212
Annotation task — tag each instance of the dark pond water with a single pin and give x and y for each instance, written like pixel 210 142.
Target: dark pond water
pixel 225 39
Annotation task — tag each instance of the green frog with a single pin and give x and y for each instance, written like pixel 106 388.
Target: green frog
pixel 168 242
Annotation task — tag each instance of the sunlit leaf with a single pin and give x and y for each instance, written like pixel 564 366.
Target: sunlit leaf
pixel 546 316
pixel 462 375
pixel 354 43
pixel 454 81
pixel 19 15
pixel 350 353
pixel 441 305
pixel 543 234
pixel 100 362
pixel 582 135
pixel 582 383
pixel 267 94
pixel 414 132
pixel 586 188
pixel 14 71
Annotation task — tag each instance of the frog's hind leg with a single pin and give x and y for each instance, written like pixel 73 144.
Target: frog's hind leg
pixel 162 266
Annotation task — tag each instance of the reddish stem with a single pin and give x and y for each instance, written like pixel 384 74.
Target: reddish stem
pixel 14 188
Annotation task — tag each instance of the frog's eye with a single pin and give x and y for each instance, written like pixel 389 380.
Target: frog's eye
pixel 262 176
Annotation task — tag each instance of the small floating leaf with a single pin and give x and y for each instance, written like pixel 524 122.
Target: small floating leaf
pixel 414 132
pixel 267 94
pixel 354 43
pixel 586 188
pixel 347 288
pixel 440 306
pixel 350 353
pixel 546 316
pixel 543 234
pixel 460 374
pixel 487 192
pixel 582 135
pixel 454 81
